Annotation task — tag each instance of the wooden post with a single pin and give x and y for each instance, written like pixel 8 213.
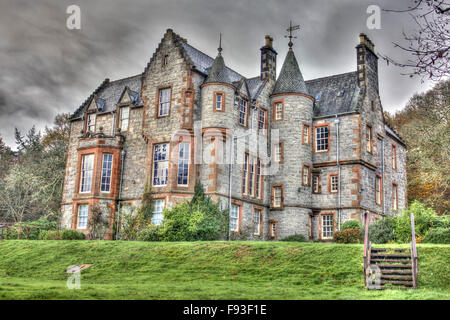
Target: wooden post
pixel 413 252
pixel 366 241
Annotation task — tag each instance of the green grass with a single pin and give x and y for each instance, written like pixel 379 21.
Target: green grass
pixel 205 270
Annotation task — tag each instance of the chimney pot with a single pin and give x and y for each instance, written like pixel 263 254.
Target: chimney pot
pixel 269 41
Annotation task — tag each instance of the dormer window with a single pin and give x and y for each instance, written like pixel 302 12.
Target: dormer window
pixel 90 123
pixel 124 118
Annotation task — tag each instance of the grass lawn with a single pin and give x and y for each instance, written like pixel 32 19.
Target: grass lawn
pixel 205 270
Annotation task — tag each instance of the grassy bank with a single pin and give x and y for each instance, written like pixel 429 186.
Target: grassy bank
pixel 205 270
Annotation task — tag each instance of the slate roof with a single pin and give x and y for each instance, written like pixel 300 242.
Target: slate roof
pixel 217 72
pixel 255 85
pixel 109 93
pixel 290 79
pixel 393 133
pixel 335 94
pixel 202 62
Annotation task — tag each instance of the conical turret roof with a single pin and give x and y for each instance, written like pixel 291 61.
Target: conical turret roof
pixel 290 79
pixel 218 72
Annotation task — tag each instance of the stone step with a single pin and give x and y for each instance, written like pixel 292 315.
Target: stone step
pixel 396 277
pixel 397 282
pixel 388 249
pixel 396 271
pixel 381 256
pixel 376 261
pixel 393 266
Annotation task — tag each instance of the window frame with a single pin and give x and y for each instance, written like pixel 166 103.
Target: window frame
pixel 322 225
pixel 378 189
pixel 275 153
pixel 110 170
pixel 258 179
pixel 369 139
pixel 319 183
pixel 265 122
pixel 167 159
pixel 272 203
pixel 88 116
pixel 330 182
pixel 245 174
pixel 79 206
pixel 121 119
pixel 307 140
pixel 222 102
pixel 260 222
pixel 273 224
pixel 308 182
pixel 274 110
pixel 317 126
pixel 246 113
pixel 394 196
pixel 82 171
pixel 163 199
pixel 159 103
pixel 394 157
pixel 238 218
pixel 184 164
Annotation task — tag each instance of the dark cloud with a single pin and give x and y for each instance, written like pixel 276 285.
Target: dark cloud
pixel 46 69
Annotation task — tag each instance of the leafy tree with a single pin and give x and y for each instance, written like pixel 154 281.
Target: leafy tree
pixel 423 221
pixel 425 125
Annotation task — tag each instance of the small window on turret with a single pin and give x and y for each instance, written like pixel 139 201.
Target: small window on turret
pixel 318 96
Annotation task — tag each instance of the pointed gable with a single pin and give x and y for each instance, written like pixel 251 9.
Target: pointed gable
pixel 290 79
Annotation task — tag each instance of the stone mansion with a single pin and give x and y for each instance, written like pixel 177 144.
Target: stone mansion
pixel 305 156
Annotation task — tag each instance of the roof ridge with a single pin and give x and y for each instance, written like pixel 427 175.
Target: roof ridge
pixel 126 78
pixel 332 76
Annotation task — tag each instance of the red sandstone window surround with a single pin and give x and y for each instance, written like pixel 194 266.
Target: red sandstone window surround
pixel 160 164
pixel 277 196
pixel 327 226
pixel 87 172
pixel 165 96
pixel 243 112
pixel 278 110
pixel 219 101
pixel 124 118
pixel 394 157
pixel 378 189
pixel 394 196
pixel 333 182
pixel 257 221
pixel 273 231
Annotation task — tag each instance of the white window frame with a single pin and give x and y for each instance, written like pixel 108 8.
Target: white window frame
pixel 87 172
pixel 278 154
pixel 91 121
pixel 219 102
pixel 322 138
pixel 369 146
pixel 106 172
pixel 256 222
pixel 83 214
pixel 183 163
pixel 164 102
pixel 394 197
pixel 327 226
pixel 275 197
pixel 316 183
pixel 334 183
pixel 244 173
pixel 124 121
pixel 243 109
pixel 261 120
pixel 160 168
pixel 378 190
pixel 307 134
pixel 279 111
pixel 158 209
pixel 234 217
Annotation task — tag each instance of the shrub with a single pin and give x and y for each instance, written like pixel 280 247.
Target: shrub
pixel 68 234
pixel 295 237
pixel 441 221
pixel 49 235
pixel 382 231
pixel 351 224
pixel 437 235
pixel 153 233
pixel 98 222
pixel 198 220
pixel 423 221
pixel 347 236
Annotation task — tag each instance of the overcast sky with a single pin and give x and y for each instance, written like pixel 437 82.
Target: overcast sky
pixel 46 69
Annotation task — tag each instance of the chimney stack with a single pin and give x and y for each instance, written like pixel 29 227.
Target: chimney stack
pixel 268 60
pixel 367 64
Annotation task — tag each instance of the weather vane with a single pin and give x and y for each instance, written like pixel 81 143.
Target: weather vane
pixel 290 36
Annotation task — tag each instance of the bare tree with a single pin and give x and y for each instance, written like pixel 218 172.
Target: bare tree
pixel 428 47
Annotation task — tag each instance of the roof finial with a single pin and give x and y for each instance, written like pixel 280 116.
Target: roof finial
pixel 220 45
pixel 290 36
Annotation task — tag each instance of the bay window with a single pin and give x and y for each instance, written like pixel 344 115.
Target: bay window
pixel 160 164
